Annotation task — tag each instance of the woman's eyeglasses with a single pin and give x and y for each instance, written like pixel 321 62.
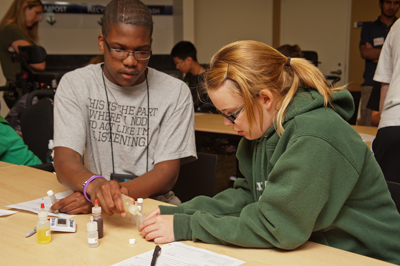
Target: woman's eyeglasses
pixel 234 115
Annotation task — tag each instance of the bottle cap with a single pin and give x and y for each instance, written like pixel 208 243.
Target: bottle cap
pixel 96 209
pixel 132 241
pixel 91 226
pixel 50 192
pixel 140 200
pixel 42 213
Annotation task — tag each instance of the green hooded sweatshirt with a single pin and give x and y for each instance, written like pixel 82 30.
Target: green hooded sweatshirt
pixel 12 147
pixel 319 181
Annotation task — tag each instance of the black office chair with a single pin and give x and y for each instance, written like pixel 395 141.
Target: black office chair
pixel 197 177
pixel 394 189
pixel 37 127
pixel 311 56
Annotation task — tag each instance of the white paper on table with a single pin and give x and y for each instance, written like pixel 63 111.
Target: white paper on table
pixel 367 137
pixel 6 212
pixel 34 205
pixel 178 254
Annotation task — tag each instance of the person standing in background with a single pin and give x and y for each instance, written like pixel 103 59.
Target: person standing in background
pixel 373 35
pixel 386 145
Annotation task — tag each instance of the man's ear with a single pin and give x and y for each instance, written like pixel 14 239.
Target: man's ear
pixel 189 60
pixel 100 41
pixel 266 98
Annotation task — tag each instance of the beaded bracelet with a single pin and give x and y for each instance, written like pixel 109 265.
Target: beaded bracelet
pixel 85 185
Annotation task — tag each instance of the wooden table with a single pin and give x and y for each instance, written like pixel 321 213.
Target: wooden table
pixel 22 183
pixel 214 123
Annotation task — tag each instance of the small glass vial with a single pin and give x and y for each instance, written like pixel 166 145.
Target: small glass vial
pixel 92 234
pixel 96 211
pixel 43 227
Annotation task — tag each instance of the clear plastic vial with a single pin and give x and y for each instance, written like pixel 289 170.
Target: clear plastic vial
pixel 96 211
pixel 140 204
pixel 129 205
pixel 43 227
pixel 140 217
pixel 52 197
pixel 92 234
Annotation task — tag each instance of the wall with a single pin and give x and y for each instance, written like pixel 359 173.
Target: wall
pixel 82 38
pixel 362 10
pixel 218 23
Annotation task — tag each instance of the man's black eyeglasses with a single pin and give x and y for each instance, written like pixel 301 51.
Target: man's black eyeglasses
pixel 234 115
pixel 122 54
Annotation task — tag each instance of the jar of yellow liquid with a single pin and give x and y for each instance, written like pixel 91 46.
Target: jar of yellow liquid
pixel 43 227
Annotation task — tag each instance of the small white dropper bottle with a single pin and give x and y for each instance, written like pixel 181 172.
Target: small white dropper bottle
pixel 92 234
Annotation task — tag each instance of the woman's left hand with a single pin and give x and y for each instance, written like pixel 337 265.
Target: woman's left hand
pixel 159 228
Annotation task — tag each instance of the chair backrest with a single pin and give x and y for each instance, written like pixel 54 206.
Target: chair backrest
pixel 311 56
pixel 37 127
pixel 394 189
pixel 197 177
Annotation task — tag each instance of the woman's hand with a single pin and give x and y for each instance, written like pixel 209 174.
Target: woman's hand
pixel 159 228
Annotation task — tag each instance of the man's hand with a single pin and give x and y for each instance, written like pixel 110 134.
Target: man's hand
pixel 73 204
pixel 159 228
pixel 108 193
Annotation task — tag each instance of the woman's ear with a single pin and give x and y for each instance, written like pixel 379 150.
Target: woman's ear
pixel 266 98
pixel 100 41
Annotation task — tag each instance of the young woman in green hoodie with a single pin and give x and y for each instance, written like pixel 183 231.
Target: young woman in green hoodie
pixel 308 175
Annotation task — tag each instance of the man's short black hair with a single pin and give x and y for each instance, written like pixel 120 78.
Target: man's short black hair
pixel 184 49
pixel 132 12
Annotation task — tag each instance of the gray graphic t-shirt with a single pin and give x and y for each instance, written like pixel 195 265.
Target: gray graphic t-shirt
pixel 83 121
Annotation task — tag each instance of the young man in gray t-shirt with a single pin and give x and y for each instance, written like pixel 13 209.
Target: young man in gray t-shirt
pixel 121 119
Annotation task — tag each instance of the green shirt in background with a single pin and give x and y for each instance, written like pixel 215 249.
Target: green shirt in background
pixel 12 147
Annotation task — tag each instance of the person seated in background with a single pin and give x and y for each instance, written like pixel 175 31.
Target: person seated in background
pixel 12 147
pixel 290 50
pixel 308 175
pixel 184 55
pixel 120 126
pixel 18 27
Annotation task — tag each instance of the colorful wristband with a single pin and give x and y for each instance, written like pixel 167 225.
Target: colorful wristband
pixel 85 185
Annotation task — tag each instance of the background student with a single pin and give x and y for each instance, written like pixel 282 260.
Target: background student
pixel 184 55
pixel 373 35
pixel 307 173
pixel 121 119
pixel 18 27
